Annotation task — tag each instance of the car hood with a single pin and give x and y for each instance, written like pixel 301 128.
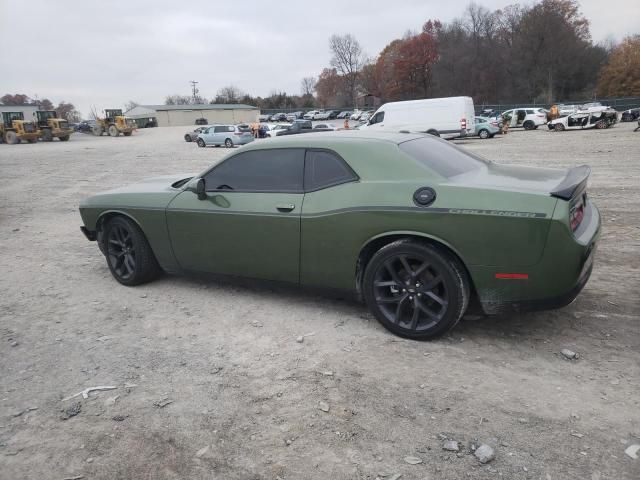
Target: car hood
pixel 154 192
pixel 515 178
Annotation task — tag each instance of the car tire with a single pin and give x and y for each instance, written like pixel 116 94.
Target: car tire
pixel 484 133
pixel 601 124
pixel 529 125
pixel 416 290
pixel 228 143
pixel 187 138
pixel 201 143
pixel 558 127
pixel 129 256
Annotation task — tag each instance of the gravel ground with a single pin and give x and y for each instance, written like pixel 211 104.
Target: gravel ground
pixel 247 401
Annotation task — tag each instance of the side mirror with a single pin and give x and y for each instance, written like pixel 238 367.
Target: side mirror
pixel 201 190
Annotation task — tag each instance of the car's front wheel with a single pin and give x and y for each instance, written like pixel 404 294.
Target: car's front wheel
pixel 558 127
pixel 129 256
pixel 201 143
pixel 416 290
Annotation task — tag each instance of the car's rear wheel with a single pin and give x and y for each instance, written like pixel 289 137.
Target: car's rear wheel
pixel 201 142
pixel 559 127
pixel 187 138
pixel 601 124
pixel 529 125
pixel 484 133
pixel 416 290
pixel 129 256
pixel 228 143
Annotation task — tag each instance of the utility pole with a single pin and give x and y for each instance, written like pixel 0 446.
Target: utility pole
pixel 194 89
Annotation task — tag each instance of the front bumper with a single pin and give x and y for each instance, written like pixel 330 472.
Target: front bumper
pixel 91 235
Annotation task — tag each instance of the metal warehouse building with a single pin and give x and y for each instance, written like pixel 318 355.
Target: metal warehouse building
pixel 27 110
pixel 176 115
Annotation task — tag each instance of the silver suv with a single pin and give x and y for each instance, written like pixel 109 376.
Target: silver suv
pixel 227 135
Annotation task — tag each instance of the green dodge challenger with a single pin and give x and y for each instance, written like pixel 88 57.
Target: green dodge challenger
pixel 417 227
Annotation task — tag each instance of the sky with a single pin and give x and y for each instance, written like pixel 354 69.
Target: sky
pixel 104 54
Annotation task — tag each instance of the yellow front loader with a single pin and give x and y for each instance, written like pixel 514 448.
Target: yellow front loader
pixel 14 129
pixel 114 124
pixel 50 126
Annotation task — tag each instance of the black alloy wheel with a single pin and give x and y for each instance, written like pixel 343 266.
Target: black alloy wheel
pixel 129 256
pixel 416 290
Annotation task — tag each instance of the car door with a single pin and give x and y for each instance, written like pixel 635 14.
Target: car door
pixel 207 135
pixel 248 221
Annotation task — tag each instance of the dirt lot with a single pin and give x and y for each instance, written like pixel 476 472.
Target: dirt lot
pixel 245 395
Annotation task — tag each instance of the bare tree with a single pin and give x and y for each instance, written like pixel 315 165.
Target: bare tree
pixel 178 100
pixel 307 86
pixel 228 94
pixel 130 105
pixel 348 59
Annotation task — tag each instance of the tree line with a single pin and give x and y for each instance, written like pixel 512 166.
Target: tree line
pixel 540 53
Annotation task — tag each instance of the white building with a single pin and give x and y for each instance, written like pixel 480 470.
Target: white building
pixel 183 115
pixel 27 110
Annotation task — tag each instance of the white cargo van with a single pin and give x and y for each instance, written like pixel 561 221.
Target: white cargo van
pixel 448 117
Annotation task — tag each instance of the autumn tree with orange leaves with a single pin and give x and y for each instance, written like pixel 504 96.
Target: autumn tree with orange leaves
pixel 621 75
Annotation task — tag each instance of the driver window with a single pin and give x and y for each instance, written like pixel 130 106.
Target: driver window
pixel 377 118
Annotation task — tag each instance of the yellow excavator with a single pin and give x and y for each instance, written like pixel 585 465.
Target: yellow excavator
pixel 14 129
pixel 114 123
pixel 50 126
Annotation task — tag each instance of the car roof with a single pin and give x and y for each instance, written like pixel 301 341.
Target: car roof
pixel 318 139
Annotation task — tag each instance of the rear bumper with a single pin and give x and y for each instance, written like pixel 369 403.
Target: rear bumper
pixel 91 235
pixel 557 279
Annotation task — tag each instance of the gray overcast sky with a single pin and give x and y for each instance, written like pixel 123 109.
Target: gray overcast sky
pixel 103 54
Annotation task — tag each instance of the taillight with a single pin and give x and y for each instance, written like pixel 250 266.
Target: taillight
pixel 463 123
pixel 576 212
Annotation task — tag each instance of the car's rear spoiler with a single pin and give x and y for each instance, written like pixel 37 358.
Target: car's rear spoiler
pixel 574 182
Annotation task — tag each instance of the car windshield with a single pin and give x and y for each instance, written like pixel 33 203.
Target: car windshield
pixel 442 157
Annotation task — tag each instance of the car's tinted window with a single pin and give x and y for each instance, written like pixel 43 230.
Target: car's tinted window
pixel 274 170
pixel 442 157
pixel 323 169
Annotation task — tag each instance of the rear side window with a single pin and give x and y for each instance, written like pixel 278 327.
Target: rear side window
pixel 324 169
pixel 442 157
pixel 270 170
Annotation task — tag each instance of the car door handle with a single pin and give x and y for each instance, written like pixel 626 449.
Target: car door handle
pixel 285 207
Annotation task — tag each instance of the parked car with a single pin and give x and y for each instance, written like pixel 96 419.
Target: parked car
pixel 201 121
pixel 300 126
pixel 630 115
pixel 365 116
pixel 227 135
pixel 417 227
pixel 356 115
pixel 193 136
pixel 86 126
pixel 311 115
pixel 325 126
pixel 527 118
pixel 485 128
pixel 344 114
pixel 263 117
pixel 278 117
pixel 273 129
pixel 448 117
pixel 594 117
